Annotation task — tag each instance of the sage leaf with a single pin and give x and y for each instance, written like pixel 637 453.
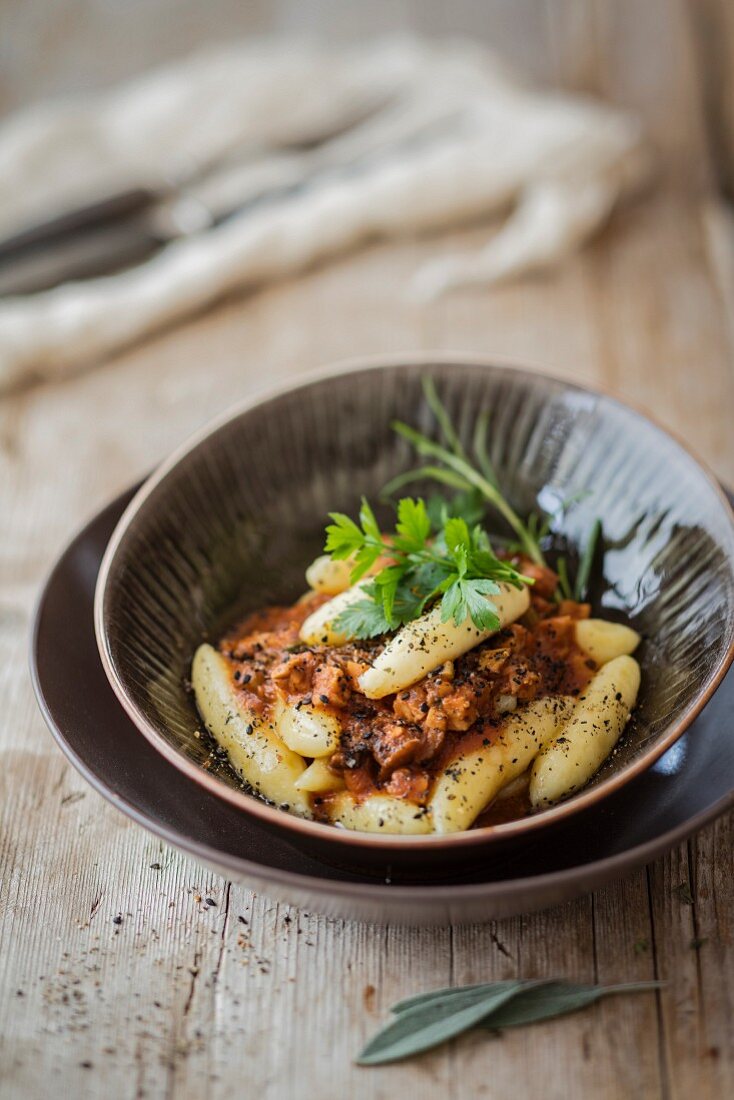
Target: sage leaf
pixel 432 1018
pixel 554 999
pixel 433 1022
pixel 460 992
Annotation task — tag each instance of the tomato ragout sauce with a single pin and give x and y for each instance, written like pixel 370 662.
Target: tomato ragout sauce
pixel 398 744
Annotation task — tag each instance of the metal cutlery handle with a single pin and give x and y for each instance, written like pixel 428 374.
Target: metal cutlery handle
pixel 93 215
pixel 100 250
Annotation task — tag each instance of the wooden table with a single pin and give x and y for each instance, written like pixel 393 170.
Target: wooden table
pixel 118 979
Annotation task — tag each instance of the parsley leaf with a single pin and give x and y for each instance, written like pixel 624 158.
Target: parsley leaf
pixel 453 604
pixel 363 561
pixel 343 537
pixel 364 619
pixel 370 525
pixel 483 613
pixel 439 550
pixel 458 543
pixel 386 585
pixel 469 504
pixel 413 526
pixel 457 567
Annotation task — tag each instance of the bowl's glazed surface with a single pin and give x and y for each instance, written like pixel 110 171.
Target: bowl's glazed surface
pixel 231 521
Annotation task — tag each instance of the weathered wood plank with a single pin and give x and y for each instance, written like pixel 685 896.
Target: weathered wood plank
pixel 711 861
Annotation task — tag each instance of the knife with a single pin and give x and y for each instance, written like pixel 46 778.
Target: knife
pixel 121 230
pixel 125 229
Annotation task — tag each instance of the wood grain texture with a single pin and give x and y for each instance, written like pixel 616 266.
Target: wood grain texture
pixel 118 977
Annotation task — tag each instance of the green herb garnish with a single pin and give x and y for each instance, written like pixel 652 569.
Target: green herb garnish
pixel 564 590
pixel 457 567
pixel 439 549
pixel 456 469
pixel 587 559
pixel 432 1018
pixel 478 487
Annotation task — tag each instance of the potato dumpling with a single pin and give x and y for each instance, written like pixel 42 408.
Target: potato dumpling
pixel 252 742
pixel 379 813
pixel 603 641
pixel 319 778
pixel 308 730
pixel 569 761
pixel 327 576
pixel 473 779
pixel 426 643
pixel 319 628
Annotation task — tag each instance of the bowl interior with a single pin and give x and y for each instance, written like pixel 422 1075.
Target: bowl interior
pixel 231 524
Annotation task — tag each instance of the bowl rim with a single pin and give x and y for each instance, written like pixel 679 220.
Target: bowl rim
pixel 305 827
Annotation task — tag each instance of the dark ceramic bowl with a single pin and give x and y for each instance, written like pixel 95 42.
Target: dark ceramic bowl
pixel 232 519
pixel 688 786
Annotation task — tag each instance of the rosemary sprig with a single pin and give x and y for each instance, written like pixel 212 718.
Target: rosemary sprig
pixel 454 468
pixel 587 559
pixel 564 584
pixel 455 460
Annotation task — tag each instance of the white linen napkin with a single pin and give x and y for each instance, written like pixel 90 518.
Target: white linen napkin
pixel 440 134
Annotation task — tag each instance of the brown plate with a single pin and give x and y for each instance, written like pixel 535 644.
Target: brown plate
pixel 689 785
pixel 229 522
